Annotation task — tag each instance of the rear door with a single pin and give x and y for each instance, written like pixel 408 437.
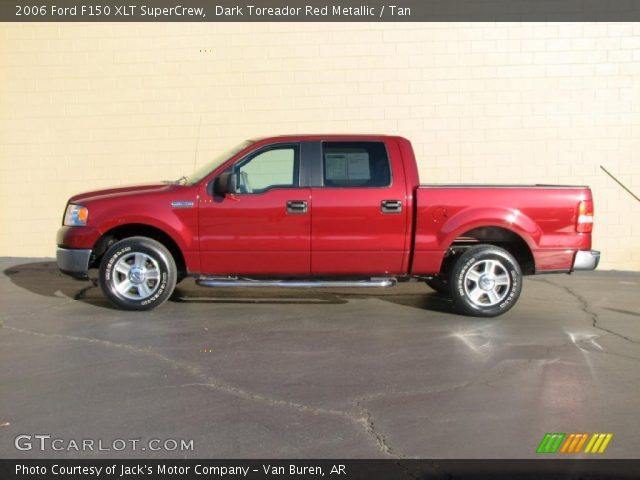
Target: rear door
pixel 359 217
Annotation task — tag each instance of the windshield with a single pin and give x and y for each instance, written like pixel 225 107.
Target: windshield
pixel 210 166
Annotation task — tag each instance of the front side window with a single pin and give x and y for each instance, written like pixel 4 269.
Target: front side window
pixel 355 164
pixel 276 167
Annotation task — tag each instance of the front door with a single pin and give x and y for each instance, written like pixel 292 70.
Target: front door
pixel 264 229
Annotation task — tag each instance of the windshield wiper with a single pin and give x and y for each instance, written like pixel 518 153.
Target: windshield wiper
pixel 177 182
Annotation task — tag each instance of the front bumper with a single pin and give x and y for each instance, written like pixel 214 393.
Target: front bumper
pixel 586 260
pixel 73 262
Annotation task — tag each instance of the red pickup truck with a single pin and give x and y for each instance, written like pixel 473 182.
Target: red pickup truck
pixel 325 211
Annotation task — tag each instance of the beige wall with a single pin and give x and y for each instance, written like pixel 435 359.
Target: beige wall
pixel 84 106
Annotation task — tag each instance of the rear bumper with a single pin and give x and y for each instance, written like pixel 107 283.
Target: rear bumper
pixel 586 260
pixel 73 262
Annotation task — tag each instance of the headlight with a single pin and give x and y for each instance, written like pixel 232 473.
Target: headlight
pixel 76 216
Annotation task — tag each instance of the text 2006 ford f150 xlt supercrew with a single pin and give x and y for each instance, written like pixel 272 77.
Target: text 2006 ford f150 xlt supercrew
pixel 325 211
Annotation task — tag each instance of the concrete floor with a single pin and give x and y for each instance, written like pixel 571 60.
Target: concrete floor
pixel 296 374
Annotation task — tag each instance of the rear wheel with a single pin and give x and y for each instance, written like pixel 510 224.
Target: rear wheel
pixel 137 273
pixel 485 281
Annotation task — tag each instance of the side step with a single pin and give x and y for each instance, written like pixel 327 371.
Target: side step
pixel 249 282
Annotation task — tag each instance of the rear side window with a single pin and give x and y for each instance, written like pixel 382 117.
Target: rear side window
pixel 355 164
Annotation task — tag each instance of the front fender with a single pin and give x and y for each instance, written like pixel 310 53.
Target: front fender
pixel 173 227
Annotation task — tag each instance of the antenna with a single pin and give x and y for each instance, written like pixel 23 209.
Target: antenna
pixel 195 155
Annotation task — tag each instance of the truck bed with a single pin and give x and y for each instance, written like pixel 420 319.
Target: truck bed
pixel 542 216
pixel 497 185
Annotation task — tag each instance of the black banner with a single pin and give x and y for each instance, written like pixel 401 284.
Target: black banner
pixel 313 469
pixel 317 10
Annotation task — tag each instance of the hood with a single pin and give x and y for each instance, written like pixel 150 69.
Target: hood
pixel 122 191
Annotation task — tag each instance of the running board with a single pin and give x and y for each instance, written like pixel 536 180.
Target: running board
pixel 248 282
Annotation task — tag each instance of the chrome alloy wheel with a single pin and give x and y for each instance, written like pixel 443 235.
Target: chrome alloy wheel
pixel 136 276
pixel 487 283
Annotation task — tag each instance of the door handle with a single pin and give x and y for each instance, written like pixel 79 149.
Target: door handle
pixel 391 206
pixel 297 206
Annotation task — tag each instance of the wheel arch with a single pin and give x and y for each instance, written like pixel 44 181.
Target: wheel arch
pixel 128 230
pixel 497 235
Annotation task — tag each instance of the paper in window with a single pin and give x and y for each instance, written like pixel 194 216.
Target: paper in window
pixel 347 166
pixel 358 166
pixel 335 165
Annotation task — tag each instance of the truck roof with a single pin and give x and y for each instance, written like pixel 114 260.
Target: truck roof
pixel 323 136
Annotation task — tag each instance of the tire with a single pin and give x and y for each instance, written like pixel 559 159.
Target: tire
pixel 439 284
pixel 485 281
pixel 137 273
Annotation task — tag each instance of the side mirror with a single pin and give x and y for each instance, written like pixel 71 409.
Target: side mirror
pixel 226 183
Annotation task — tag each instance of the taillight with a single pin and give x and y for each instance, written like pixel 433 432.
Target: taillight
pixel 585 217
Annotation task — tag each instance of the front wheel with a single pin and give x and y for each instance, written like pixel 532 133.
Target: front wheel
pixel 137 273
pixel 485 281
